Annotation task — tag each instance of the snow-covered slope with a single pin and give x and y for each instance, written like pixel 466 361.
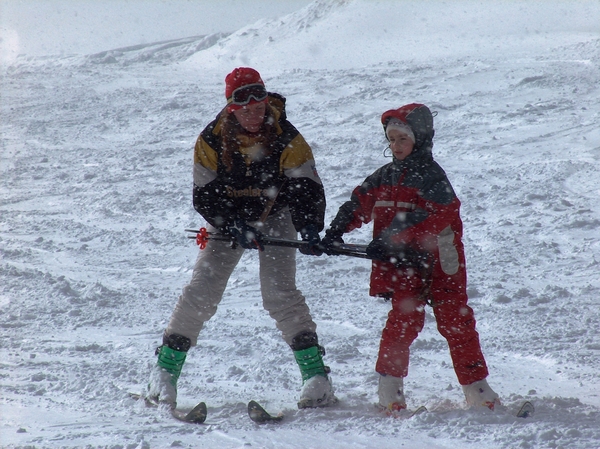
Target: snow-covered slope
pixel 351 34
pixel 95 172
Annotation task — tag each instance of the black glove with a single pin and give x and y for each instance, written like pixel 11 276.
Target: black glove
pixel 246 236
pixel 407 256
pixel 310 235
pixel 331 241
pixel 402 256
pixel 378 250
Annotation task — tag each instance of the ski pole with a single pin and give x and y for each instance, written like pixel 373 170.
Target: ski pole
pixel 347 249
pixel 202 236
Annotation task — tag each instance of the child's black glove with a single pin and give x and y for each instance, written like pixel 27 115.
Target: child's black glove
pixel 310 235
pixel 331 241
pixel 246 236
pixel 378 250
pixel 402 256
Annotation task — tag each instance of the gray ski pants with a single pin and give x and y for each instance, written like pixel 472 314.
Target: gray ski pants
pixel 284 302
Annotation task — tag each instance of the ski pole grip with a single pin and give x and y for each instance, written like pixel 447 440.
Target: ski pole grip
pixel 202 238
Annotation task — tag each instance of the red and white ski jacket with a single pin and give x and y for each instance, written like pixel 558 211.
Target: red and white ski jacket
pixel 412 203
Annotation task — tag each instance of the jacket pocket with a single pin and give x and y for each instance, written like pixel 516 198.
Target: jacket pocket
pixel 448 252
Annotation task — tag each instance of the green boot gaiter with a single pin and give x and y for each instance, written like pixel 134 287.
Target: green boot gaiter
pixel 310 361
pixel 171 361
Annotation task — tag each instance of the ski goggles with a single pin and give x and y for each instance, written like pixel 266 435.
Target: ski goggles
pixel 245 94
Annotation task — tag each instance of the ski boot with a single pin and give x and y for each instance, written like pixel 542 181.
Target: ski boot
pixel 479 394
pixel 162 388
pixel 317 390
pixel 391 393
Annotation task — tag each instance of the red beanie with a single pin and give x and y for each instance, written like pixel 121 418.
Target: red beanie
pixel 241 76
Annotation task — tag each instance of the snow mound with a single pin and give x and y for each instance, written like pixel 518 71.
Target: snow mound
pixel 358 33
pixel 158 52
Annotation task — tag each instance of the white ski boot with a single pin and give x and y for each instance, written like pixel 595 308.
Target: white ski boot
pixel 479 394
pixel 162 388
pixel 391 393
pixel 317 392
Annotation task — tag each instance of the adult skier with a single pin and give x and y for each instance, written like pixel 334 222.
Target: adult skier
pixel 254 175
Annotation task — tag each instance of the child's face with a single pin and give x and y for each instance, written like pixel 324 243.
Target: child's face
pixel 400 144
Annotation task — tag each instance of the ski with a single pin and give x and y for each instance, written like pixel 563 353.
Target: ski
pixel 526 410
pixel 259 415
pixel 202 236
pixel 196 415
pixel 402 413
pixel 418 411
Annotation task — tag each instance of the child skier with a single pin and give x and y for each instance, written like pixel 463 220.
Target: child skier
pixel 418 257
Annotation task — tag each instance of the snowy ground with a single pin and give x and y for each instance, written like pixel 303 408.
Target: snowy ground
pixel 96 192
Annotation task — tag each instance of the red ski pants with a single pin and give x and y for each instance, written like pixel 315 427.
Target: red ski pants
pixel 455 321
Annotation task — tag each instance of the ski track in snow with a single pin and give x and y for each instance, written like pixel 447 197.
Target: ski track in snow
pixel 96 193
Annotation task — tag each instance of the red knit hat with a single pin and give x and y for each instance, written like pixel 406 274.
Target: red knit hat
pixel 243 76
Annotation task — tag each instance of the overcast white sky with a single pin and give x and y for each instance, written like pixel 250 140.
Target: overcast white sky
pixel 43 27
